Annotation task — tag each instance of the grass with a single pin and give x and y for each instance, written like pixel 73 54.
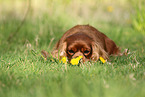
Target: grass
pixel 23 73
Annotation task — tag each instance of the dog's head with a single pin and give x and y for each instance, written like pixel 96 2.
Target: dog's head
pixel 80 44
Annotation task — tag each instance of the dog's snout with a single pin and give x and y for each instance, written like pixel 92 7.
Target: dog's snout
pixel 77 54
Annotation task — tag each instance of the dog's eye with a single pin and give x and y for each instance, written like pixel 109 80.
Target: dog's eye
pixel 71 52
pixel 86 52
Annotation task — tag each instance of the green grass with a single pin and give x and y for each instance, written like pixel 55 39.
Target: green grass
pixel 23 73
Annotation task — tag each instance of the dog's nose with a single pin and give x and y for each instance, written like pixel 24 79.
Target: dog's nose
pixel 77 54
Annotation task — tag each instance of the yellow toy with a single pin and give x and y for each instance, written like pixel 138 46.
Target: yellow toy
pixel 102 60
pixel 63 60
pixel 75 61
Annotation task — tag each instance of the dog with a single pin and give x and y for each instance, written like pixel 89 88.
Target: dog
pixel 86 41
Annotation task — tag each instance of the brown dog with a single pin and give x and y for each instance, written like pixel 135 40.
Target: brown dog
pixel 86 41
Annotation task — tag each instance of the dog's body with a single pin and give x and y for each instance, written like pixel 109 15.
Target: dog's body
pixel 86 41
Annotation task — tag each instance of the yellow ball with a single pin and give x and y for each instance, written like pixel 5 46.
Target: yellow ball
pixel 75 61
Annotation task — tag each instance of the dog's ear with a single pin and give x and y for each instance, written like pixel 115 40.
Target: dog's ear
pixel 111 47
pixel 97 52
pixel 60 51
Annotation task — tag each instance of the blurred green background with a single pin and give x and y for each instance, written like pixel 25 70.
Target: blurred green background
pixel 31 20
pixel 28 26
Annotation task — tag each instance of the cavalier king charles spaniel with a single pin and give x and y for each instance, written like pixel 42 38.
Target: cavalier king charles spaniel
pixel 86 41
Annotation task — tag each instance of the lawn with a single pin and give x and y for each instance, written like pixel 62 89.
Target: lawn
pixel 26 30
